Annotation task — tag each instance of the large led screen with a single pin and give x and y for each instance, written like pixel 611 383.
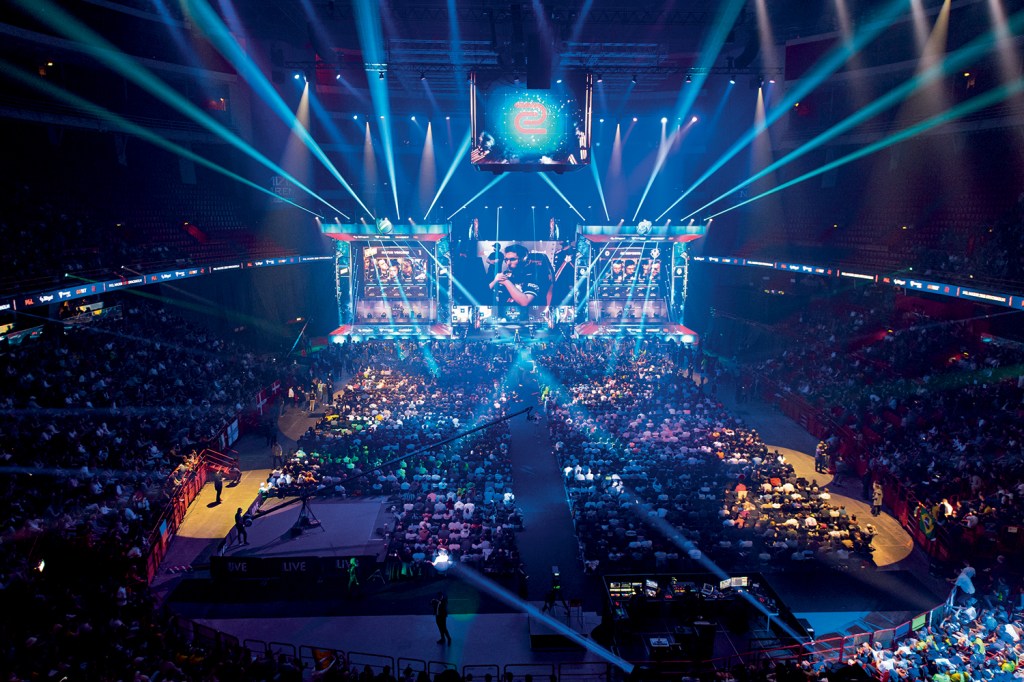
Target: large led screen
pixel 630 270
pixel 515 128
pixel 513 281
pixel 394 271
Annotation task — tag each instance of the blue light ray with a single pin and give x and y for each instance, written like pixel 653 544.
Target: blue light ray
pixel 724 22
pixel 827 65
pixel 94 45
pixel 492 183
pixel 135 129
pixel 953 62
pixel 977 103
pixel 370 38
pixel 545 178
pixel 459 154
pixel 214 29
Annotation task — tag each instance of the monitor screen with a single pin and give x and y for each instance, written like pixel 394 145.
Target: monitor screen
pixel 514 282
pixel 516 128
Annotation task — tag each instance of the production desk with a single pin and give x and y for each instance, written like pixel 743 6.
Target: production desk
pixel 678 616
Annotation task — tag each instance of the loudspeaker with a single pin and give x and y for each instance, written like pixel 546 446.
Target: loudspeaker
pixel 538 63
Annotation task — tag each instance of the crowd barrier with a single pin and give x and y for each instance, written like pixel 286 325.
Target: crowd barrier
pixel 185 493
pixel 833 650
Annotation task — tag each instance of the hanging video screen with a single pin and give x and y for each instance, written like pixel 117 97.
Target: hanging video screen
pixel 630 271
pixel 506 281
pixel 515 128
pixel 394 271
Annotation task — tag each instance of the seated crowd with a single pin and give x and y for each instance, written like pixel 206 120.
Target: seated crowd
pixel 935 406
pixel 456 498
pixel 95 420
pixel 657 470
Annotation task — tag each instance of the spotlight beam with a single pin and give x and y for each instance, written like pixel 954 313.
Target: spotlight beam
pixel 468 575
pixel 368 23
pixel 977 103
pixel 597 183
pixel 95 46
pixel 492 183
pixel 214 29
pixel 134 129
pixel 953 62
pixel 459 154
pixel 825 67
pixel 688 93
pixel 545 178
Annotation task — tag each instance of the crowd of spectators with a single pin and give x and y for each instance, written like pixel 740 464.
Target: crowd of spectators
pixel 657 471
pixel 933 405
pixel 99 422
pixel 48 240
pixel 458 497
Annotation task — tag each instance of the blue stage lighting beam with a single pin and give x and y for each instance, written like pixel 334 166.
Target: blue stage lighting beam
pixel 825 67
pixel 597 183
pixel 492 183
pixel 134 129
pixel 95 46
pixel 955 61
pixel 977 103
pixel 459 154
pixel 545 178
pixel 214 29
pixel 688 93
pixel 468 575
pixel 372 42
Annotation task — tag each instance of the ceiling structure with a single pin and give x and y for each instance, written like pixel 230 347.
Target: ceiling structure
pixel 651 46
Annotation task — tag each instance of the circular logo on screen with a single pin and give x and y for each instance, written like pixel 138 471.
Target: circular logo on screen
pixel 644 227
pixel 384 226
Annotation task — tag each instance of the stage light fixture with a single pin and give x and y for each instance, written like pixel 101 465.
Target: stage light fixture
pixel 664 120
pixel 515 79
pixel 412 118
pixel 423 75
pixel 689 78
pixel 380 75
pixel 355 117
pixel 559 81
pixel 634 79
pixel 600 79
pixel 634 119
pixel 600 120
pixel 732 79
pixel 297 75
pixel 337 76
pixel 694 119
pixel 771 81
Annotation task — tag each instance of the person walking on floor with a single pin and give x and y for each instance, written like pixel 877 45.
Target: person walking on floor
pixel 440 606
pixel 218 483
pixel 243 535
pixel 876 498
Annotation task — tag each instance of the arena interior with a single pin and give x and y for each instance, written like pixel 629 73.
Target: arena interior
pixel 560 340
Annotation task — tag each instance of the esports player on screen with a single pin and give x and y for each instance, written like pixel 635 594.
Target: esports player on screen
pixel 615 274
pixel 484 151
pixel 515 284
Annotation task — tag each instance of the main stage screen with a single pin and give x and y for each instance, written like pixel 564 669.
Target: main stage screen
pixel 515 128
pixel 393 282
pixel 513 281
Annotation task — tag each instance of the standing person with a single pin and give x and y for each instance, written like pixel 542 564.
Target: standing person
pixel 440 606
pixel 876 498
pixel 277 453
pixel 218 483
pixel 243 535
